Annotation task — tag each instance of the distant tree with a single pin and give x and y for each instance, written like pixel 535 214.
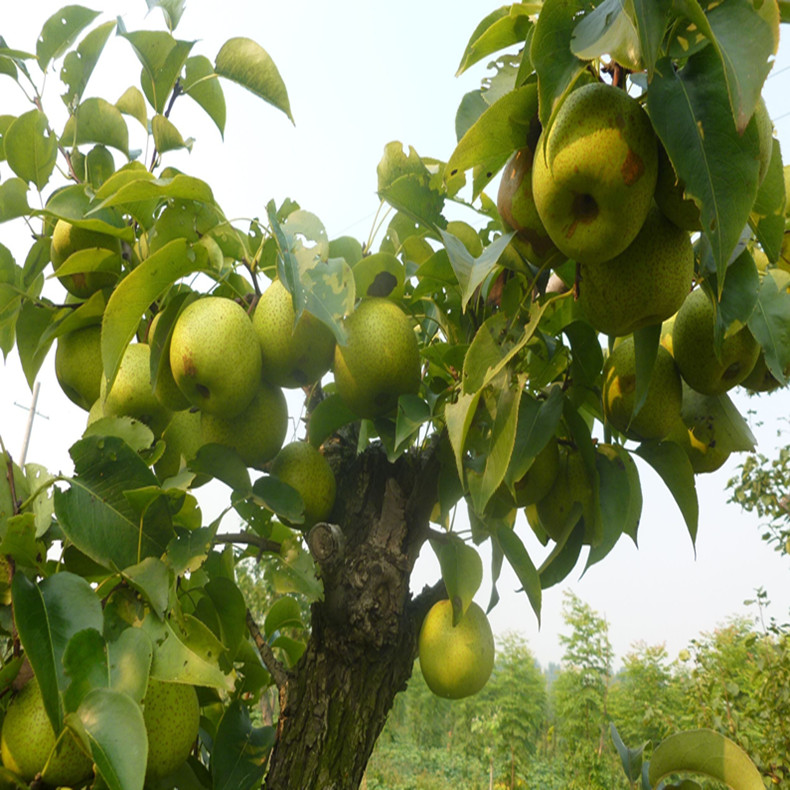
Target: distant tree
pixel 579 696
pixel 645 697
pixel 739 685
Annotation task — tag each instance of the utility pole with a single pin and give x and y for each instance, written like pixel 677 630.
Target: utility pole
pixel 31 414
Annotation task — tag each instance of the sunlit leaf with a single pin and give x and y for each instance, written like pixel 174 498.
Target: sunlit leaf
pixel 30 148
pixel 708 753
pixel 60 30
pixel 244 61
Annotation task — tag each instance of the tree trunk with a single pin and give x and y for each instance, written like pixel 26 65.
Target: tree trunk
pixel 334 704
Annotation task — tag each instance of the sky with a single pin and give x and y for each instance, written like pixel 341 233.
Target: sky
pixel 360 75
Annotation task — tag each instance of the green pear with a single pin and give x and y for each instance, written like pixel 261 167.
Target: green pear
pixel 670 196
pixel 380 361
pixel 215 356
pixel 171 713
pixel 661 408
pixel 68 239
pixel 595 173
pixel 257 433
pixel 132 394
pixel 569 497
pixel 517 209
pixel 710 430
pixel 78 365
pixel 305 469
pixel 693 348
pixel 539 478
pixel 346 247
pixel 29 746
pixel 761 379
pixel 455 660
pixel 644 284
pixel 294 353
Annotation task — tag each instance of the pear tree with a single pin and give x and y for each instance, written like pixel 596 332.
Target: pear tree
pixel 621 167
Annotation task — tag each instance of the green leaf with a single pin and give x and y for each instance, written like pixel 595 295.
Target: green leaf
pixel 115 729
pixel 162 57
pixel 224 464
pixel 470 271
pixel 244 61
pixel 503 128
pixel 166 136
pixel 630 758
pixel 708 753
pixel 30 614
pixel 280 498
pixel 31 324
pixel 326 418
pixel 132 103
pixel 127 187
pixel 620 496
pixel 30 148
pixel 13 199
pixel 142 286
pixel 767 217
pixel 96 515
pixel 202 85
pixel 73 203
pixel 738 297
pixel 770 325
pixel 522 564
pixel 407 184
pixel 79 65
pixel 241 751
pixel 97 121
pixel 609 29
pixel 691 114
pixel 323 287
pixel 500 444
pixel 133 432
pixel 412 412
pixel 500 29
pixel 172 10
pixel 462 572
pixel 651 21
pixel 283 613
pixel 130 657
pixel 646 342
pixel 674 468
pixel 458 417
pixel 152 579
pixel 231 610
pixel 556 65
pixel 185 652
pixel 86 663
pixel 537 423
pixel 60 31
pixel 744 39
pixel 563 557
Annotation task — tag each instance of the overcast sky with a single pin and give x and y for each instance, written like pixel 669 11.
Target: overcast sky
pixel 360 75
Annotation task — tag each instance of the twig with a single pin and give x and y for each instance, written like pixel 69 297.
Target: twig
pixel 276 669
pixel 264 544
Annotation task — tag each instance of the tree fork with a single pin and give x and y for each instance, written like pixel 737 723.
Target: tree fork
pixel 364 636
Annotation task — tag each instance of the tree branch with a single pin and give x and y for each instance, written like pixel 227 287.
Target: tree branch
pixel 276 669
pixel 264 544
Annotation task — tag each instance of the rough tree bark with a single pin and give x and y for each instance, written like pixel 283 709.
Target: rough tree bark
pixel 334 704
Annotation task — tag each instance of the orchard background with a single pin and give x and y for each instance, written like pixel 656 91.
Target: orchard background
pixel 318 178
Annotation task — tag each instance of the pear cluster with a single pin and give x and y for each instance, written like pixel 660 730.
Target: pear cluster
pixel 598 187
pixel 214 372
